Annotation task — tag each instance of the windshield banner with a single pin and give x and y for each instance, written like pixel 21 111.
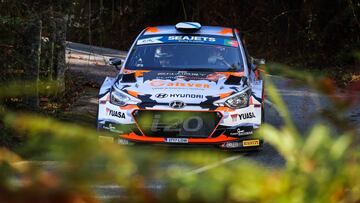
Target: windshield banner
pixel 188 39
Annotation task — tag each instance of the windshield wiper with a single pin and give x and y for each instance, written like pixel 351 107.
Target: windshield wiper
pixel 233 67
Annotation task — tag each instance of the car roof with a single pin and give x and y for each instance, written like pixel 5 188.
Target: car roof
pixel 205 30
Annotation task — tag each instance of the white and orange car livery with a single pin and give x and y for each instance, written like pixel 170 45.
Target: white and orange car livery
pixel 185 84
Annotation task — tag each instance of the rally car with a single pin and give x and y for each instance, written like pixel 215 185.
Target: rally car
pixel 185 85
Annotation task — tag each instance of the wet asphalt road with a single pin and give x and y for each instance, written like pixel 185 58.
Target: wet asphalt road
pixel 303 103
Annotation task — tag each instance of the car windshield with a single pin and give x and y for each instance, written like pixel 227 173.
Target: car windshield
pixel 185 56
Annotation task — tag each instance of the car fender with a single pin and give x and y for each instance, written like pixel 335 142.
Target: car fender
pixel 106 86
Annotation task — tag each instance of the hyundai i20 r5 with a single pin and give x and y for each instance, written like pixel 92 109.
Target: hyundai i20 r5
pixel 185 84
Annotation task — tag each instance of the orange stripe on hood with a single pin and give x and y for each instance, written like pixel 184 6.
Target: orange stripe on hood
pixel 152 29
pixel 133 93
pixel 226 31
pixel 224 95
pixel 227 74
pixel 224 109
pixel 138 73
pixel 129 107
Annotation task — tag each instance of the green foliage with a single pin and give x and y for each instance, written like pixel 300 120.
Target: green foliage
pixel 320 166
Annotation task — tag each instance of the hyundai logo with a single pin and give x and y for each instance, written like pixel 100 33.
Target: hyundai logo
pixel 177 104
pixel 161 95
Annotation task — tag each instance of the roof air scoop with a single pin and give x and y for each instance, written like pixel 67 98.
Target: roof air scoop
pixel 188 26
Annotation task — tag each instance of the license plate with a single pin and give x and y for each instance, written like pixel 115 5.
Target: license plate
pixel 176 140
pixel 251 143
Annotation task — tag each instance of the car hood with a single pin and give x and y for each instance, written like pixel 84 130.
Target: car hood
pixel 163 87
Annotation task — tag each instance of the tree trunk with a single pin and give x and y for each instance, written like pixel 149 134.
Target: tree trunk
pixel 59 53
pixel 51 45
pixel 32 51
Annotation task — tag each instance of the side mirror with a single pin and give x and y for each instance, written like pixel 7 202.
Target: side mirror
pixel 115 62
pixel 258 62
pixel 255 63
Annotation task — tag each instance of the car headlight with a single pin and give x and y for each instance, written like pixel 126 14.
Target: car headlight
pixel 118 98
pixel 238 101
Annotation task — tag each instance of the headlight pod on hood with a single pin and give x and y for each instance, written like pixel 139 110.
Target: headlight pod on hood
pixel 236 101
pixel 119 98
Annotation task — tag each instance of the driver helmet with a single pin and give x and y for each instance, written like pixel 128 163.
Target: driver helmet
pixel 163 55
pixel 216 53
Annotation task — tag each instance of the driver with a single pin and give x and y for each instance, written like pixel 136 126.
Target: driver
pixel 216 56
pixel 163 56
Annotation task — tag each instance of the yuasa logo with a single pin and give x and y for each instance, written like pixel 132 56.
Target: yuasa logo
pixel 246 115
pixel 115 113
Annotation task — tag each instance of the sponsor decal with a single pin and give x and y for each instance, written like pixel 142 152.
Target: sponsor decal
pixel 231 145
pixel 177 104
pixel 124 142
pixel 191 96
pixel 191 39
pixel 232 43
pixel 240 132
pixel 176 140
pixel 152 40
pixel 161 95
pixel 221 41
pixel 115 113
pixel 251 143
pixel 175 75
pixel 243 132
pixel 159 83
pixel 246 116
pixel 193 124
pixel 112 128
pixel 234 117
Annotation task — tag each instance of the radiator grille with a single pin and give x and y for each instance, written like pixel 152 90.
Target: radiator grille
pixel 189 124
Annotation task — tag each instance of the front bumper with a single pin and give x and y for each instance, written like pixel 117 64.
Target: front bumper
pixel 247 143
pixel 223 129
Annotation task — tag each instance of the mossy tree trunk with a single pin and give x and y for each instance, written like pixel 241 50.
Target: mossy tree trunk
pixel 59 53
pixel 32 51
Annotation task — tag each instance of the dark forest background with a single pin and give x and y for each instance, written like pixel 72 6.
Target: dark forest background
pixel 318 35
pixel 321 33
pixel 309 36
